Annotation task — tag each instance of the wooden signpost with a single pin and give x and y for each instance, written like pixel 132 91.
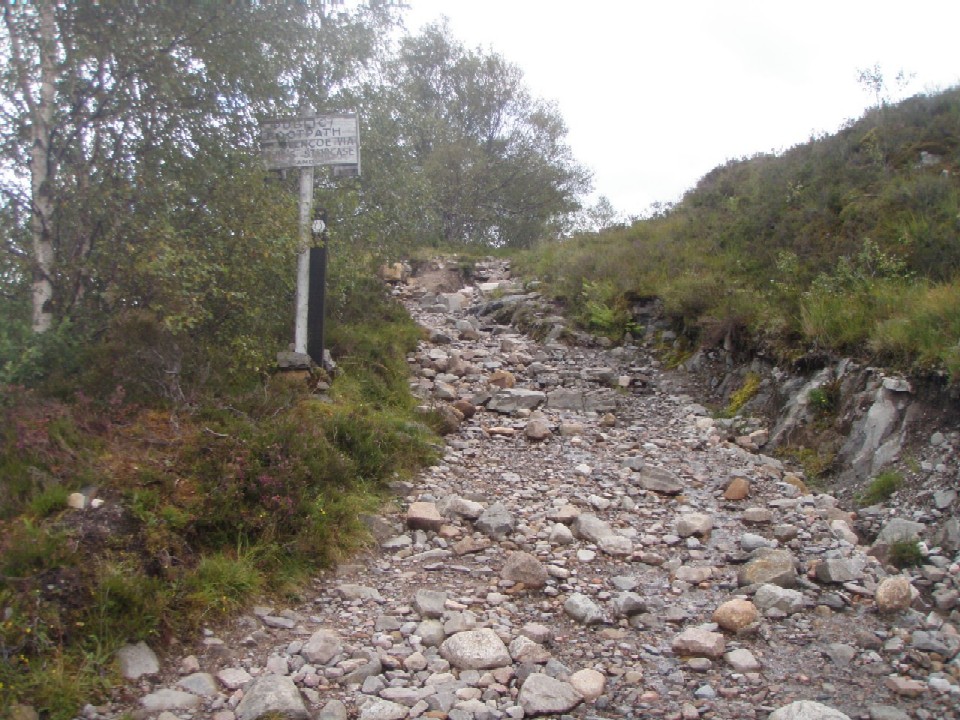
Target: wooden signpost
pixel 307 142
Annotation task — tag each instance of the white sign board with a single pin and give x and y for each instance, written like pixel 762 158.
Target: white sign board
pixel 311 141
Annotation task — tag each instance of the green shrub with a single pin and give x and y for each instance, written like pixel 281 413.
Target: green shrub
pixel 825 400
pixel 49 501
pixel 882 487
pixel 816 462
pixel 906 553
pixel 604 309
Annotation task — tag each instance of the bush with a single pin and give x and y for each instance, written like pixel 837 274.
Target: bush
pixel 906 553
pixel 882 487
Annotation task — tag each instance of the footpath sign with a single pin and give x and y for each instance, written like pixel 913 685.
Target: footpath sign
pixel 311 141
pixel 307 142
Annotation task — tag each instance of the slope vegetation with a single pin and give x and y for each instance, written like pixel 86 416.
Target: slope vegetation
pixel 845 245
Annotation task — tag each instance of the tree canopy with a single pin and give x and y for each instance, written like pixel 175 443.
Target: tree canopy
pixel 130 178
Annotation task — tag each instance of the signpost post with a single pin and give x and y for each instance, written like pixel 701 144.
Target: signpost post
pixel 307 142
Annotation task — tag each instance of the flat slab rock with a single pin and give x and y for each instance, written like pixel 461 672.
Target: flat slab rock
pixel 659 481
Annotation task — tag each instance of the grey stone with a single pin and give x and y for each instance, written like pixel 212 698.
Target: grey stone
pixel 333 710
pixel 288 360
pixel 541 694
pixel 948 537
pixel 475 650
pixel 352 591
pixel 508 402
pixel 887 712
pixel 600 401
pixel 770 597
pixel 272 694
pixel 628 604
pixel 430 632
pixel 233 678
pixel 938 642
pixel 522 567
pixel 942 499
pixel 496 522
pixel 616 545
pixel 455 506
pixel 776 567
pixel 322 647
pixel 659 481
pixel 137 660
pixel 839 570
pixel 807 710
pixel 841 653
pixel 897 529
pixel 360 675
pixel 564 399
pixel 877 436
pixel 524 650
pixel 699 642
pixel 752 541
pixel 199 684
pixel 582 609
pixel 168 699
pixel 537 430
pixel 742 660
pixel 694 524
pixel 430 603
pixel 380 709
pixel 588 526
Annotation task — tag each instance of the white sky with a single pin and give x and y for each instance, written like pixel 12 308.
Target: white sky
pixel 658 93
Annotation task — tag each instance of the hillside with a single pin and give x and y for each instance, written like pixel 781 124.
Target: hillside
pixel 846 244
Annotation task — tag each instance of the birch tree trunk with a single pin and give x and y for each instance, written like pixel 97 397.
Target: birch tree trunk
pixel 41 175
pixel 33 56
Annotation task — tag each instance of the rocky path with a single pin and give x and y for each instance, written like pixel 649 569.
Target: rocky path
pixel 592 545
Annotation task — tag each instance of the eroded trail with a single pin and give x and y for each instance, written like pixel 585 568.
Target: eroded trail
pixel 593 545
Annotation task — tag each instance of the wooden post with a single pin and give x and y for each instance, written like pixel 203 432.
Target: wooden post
pixel 318 289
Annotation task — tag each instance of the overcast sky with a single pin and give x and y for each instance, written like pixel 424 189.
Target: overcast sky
pixel 657 93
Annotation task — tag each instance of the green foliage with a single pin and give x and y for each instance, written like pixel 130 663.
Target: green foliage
pixel 825 400
pixel 906 553
pixel 222 583
pixel 922 330
pixel 49 501
pixel 605 310
pixel 127 603
pixel 747 391
pixel 882 487
pixel 31 549
pixel 845 244
pixel 239 493
pixel 816 462
pixel 479 160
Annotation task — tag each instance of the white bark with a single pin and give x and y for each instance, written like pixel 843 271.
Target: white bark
pixel 41 108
